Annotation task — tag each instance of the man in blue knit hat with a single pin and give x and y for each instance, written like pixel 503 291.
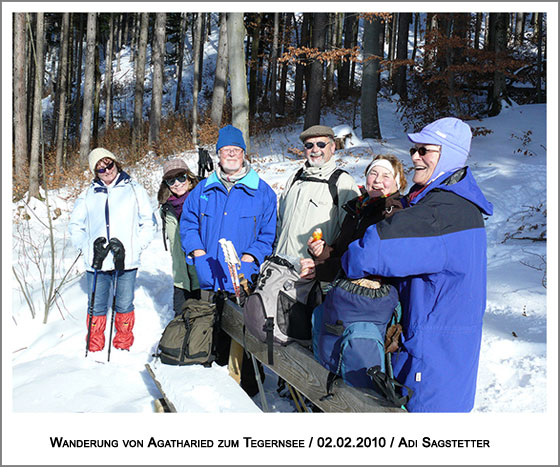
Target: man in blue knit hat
pixel 435 250
pixel 232 203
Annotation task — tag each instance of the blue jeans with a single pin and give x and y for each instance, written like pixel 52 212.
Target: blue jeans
pixel 104 291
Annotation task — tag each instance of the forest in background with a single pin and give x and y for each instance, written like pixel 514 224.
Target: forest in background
pixel 271 69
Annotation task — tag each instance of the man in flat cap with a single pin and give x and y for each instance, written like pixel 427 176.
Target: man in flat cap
pixel 313 197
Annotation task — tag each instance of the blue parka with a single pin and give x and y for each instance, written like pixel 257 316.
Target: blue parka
pixel 435 251
pixel 246 216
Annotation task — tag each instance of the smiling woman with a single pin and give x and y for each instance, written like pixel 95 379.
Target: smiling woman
pixel 115 210
pixel 425 159
pixel 177 182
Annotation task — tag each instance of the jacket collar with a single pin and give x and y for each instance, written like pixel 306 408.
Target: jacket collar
pixel 324 171
pixel 248 182
pixel 122 178
pixel 462 183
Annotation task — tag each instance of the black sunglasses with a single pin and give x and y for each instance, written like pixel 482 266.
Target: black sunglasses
pixel 319 144
pixel 421 150
pixel 179 178
pixel 109 166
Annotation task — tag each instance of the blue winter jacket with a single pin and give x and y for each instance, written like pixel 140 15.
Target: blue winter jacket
pixel 246 216
pixel 436 252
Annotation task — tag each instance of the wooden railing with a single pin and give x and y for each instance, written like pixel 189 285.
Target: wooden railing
pixel 297 366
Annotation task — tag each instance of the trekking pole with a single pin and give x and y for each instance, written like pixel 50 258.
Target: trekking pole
pixel 233 262
pixel 118 258
pixel 99 253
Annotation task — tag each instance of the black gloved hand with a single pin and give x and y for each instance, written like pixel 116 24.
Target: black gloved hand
pixel 99 252
pixel 117 248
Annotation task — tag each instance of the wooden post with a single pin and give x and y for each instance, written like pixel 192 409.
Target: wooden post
pixel 235 361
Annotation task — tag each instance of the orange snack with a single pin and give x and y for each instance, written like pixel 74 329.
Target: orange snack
pixel 317 234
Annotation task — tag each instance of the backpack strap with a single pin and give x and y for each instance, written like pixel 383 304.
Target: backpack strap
pixel 331 181
pixel 269 329
pixel 331 378
pixel 386 386
pixel 297 177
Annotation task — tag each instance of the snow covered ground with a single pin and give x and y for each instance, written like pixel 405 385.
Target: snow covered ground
pixel 518 371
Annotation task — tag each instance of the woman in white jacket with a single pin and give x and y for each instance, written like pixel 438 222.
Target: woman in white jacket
pixel 115 209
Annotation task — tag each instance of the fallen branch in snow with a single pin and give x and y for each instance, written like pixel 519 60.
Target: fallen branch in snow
pixel 540 267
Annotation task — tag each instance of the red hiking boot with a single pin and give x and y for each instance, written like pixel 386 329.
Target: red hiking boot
pixel 97 333
pixel 124 322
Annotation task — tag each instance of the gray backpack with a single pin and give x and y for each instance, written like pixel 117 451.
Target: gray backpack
pixel 187 339
pixel 281 305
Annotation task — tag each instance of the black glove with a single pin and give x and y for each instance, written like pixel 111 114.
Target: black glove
pixel 117 248
pixel 99 252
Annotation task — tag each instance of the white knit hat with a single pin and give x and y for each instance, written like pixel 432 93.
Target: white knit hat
pixel 97 154
pixel 386 165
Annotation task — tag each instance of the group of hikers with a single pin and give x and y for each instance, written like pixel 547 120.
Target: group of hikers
pixel 425 249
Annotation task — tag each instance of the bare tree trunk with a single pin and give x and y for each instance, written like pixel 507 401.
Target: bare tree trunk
pixel 344 76
pixel 274 66
pixel 415 42
pixel 62 90
pixel 29 60
pixel 158 55
pixel 220 77
pixel 201 52
pixel 539 27
pixel 135 36
pixel 477 28
pixel 300 67
pixel 68 135
pixel 498 44
pixel 20 97
pixel 254 67
pixel 138 122
pixel 332 29
pixel 85 135
pixel 109 76
pixel 392 25
pixel 180 58
pixel 118 39
pixel 237 74
pixel 284 73
pixel 355 28
pixel 97 90
pixel 313 103
pixel 519 28
pixel 487 31
pixel 196 76
pixel 36 131
pixel 78 79
pixel 370 45
pixel 399 81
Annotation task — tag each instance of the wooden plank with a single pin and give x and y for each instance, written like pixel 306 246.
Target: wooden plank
pixel 296 364
pixel 158 405
pixel 235 360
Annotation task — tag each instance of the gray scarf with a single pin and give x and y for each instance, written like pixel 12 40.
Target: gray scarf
pixel 230 180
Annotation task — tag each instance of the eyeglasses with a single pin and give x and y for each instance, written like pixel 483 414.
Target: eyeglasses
pixel 109 166
pixel 233 151
pixel 421 150
pixel 179 178
pixel 319 144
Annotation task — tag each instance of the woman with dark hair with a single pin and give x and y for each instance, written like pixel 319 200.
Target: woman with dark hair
pixel 177 182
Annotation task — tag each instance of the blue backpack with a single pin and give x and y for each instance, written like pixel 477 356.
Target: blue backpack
pixel 349 330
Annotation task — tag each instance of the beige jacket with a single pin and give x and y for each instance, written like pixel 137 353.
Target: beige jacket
pixel 306 205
